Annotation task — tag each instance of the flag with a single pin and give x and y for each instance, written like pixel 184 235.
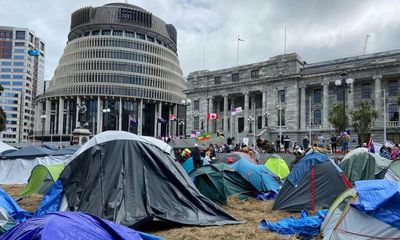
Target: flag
pixel 238 109
pixel 203 137
pixel 220 134
pixel 233 111
pixel 370 145
pixel 132 120
pixel 172 117
pixel 161 120
pixel 212 116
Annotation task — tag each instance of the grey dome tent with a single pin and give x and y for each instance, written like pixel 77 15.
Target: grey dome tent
pixel 314 182
pixel 125 178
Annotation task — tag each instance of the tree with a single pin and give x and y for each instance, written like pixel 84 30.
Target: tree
pixel 3 116
pixel 362 121
pixel 337 118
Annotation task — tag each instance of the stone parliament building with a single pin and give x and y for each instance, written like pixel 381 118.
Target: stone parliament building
pixel 303 92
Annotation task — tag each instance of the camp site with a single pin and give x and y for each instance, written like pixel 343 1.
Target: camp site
pixel 125 186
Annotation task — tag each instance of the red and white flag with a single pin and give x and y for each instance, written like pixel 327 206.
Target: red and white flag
pixel 172 117
pixel 212 116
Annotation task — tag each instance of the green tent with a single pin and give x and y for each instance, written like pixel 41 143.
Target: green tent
pixel 42 177
pixel 277 165
pixel 393 171
pixel 218 181
pixel 359 164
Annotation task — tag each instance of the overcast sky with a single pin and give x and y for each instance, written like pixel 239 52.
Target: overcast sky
pixel 316 29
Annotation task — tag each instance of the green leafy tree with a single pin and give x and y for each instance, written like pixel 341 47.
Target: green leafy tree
pixel 2 114
pixel 337 118
pixel 362 121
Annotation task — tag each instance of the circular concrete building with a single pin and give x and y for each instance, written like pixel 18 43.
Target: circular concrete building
pixel 121 62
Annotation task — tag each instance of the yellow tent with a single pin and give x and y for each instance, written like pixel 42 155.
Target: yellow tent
pixel 277 165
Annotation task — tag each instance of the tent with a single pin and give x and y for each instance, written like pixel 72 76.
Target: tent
pixel 12 208
pixel 277 165
pixel 123 177
pixel 236 156
pixel 219 181
pixel 28 153
pixel 72 225
pixel 6 221
pixel 5 148
pixel 359 164
pixel 41 179
pixel 66 151
pixel 258 175
pixel 368 211
pixel 393 171
pixel 189 166
pixel 314 183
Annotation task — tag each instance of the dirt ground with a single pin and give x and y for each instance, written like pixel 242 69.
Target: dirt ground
pixel 251 211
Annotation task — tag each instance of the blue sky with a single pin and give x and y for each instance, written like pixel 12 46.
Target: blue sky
pixel 317 30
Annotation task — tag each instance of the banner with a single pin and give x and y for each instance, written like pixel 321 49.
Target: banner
pixel 132 120
pixel 212 116
pixel 172 117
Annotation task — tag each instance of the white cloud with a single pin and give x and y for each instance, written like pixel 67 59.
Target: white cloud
pixel 317 30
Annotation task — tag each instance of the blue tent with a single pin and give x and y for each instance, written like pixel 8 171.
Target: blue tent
pixel 29 152
pixel 15 211
pixel 72 225
pixel 189 166
pixel 258 175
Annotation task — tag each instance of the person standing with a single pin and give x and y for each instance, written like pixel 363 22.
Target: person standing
pixel 345 142
pixel 196 155
pixel 278 144
pixel 286 142
pixel 321 141
pixel 333 143
pixel 306 142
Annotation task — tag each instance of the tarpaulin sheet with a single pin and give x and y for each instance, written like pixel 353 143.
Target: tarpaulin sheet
pixel 12 208
pixel 131 181
pixel 72 225
pixel 52 200
pixel 17 171
pixel 305 225
pixel 380 199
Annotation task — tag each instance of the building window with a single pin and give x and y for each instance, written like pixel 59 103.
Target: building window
pixel 393 112
pixel 259 122
pixel 339 95
pixel 281 96
pixel 19 44
pixel 317 117
pixel 196 123
pixel 20 35
pixel 366 91
pixel 217 80
pixel 393 88
pixel 196 105
pixel 254 74
pixel 106 32
pixel 140 36
pixel 317 95
pixel 281 117
pixel 235 77
pixel 117 33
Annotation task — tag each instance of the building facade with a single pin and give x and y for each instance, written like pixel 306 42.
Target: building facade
pixel 22 56
pixel 120 60
pixel 289 96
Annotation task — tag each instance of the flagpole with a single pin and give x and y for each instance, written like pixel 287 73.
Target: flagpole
pixel 237 52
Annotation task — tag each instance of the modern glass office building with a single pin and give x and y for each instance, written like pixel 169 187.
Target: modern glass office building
pixel 22 55
pixel 120 60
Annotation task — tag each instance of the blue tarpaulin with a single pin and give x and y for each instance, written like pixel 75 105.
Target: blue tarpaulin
pixel 258 175
pixel 32 52
pixel 72 225
pixel 189 166
pixel 306 226
pixel 15 211
pixel 52 199
pixel 379 199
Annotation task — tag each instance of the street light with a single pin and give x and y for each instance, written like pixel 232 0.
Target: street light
pixel 106 110
pixel 181 127
pixel 251 121
pixel 344 82
pixel 186 103
pixel 202 118
pixel 43 117
pixel 266 115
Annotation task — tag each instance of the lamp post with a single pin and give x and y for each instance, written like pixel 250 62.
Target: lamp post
pixel 266 116
pixel 251 121
pixel 105 111
pixel 344 83
pixel 186 103
pixel 43 118
pixel 202 118
pixel 181 126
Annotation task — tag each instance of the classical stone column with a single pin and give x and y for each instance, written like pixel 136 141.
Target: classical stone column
pixel 60 115
pixel 120 115
pixel 350 101
pixel 232 117
pixel 99 115
pixel 211 123
pixel 48 116
pixel 78 102
pixel 159 133
pixel 140 117
pixel 226 113
pixel 303 108
pixel 174 124
pixel 325 105
pixel 263 107
pixel 38 119
pixel 378 89
pixel 217 124
pixel 246 112
pixel 67 130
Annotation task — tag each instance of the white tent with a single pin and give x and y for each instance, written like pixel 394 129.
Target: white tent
pixel 6 148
